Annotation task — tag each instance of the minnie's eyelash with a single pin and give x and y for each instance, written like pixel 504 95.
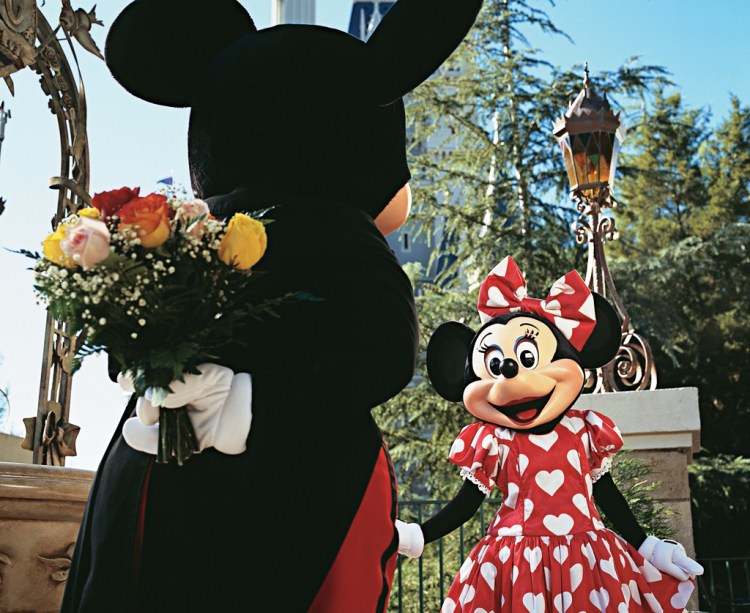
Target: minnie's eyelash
pixel 483 348
pixel 529 333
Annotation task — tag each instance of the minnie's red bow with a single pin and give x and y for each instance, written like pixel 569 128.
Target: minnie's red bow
pixel 569 305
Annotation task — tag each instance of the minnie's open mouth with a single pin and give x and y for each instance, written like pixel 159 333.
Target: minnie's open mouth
pixel 524 412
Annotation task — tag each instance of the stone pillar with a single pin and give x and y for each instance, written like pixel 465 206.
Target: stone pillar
pixel 661 427
pixel 40 513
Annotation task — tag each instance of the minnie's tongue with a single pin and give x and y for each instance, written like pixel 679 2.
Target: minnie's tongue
pixel 525 415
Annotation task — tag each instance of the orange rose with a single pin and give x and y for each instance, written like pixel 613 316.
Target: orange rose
pixel 149 217
pixel 109 203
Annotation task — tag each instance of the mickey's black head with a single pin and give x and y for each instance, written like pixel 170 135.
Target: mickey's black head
pixel 518 370
pixel 294 113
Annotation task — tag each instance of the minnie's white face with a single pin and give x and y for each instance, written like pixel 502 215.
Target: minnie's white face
pixel 520 386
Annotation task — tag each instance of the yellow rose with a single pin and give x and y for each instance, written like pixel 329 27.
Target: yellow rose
pixel 52 250
pixel 244 242
pixel 89 213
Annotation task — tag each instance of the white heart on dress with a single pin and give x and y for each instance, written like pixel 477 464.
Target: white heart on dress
pixel 534 603
pixel 594 419
pixel 545 441
pixel 634 591
pixel 449 606
pixel 574 460
pixel 558 524
pixel 457 447
pixel 547 578
pixel 533 557
pixel 680 599
pixel 523 462
pixel 504 554
pixel 581 503
pixel 514 574
pixel 560 553
pixel 600 598
pixel 650 572
pixel 625 592
pixel 608 566
pixel 562 601
pixel 467 594
pixel 528 508
pixel 574 424
pixel 550 482
pixel 576 576
pixel 514 530
pixel 512 496
pixel 466 567
pixel 587 550
pixel 489 572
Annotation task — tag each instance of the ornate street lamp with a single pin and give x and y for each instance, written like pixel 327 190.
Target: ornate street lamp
pixel 28 40
pixel 590 135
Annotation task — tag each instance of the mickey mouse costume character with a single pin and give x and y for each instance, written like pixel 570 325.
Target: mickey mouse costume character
pixel 308 123
pixel 546 549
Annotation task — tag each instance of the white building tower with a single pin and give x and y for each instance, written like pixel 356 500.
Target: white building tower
pixel 292 11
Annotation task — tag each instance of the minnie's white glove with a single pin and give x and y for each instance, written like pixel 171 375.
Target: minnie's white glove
pixel 669 557
pixel 410 539
pixel 219 405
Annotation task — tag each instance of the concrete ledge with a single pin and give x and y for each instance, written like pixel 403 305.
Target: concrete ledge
pixel 658 419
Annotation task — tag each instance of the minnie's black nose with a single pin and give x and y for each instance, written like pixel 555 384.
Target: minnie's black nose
pixel 508 368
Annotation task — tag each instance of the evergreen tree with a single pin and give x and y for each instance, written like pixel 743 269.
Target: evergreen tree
pixel 662 190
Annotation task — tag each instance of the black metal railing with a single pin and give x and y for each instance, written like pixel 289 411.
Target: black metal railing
pixel 725 585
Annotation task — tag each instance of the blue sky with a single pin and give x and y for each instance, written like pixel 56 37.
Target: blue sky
pixel 703 44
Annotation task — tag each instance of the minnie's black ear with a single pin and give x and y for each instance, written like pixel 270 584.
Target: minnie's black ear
pixel 157 49
pixel 446 359
pixel 604 341
pixel 413 40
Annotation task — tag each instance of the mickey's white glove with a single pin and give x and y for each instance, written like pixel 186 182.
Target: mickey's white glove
pixel 669 557
pixel 410 539
pixel 219 405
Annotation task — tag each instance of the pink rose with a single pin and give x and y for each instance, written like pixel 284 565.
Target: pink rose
pixel 87 242
pixel 189 212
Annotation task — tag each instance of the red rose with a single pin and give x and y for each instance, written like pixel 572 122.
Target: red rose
pixel 109 203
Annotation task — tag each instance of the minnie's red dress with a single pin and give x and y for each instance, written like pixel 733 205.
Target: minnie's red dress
pixel 546 549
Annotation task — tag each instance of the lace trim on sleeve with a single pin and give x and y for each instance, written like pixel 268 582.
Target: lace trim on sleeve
pixel 466 474
pixel 598 473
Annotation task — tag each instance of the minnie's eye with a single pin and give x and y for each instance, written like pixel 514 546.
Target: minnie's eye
pixel 528 354
pixel 493 359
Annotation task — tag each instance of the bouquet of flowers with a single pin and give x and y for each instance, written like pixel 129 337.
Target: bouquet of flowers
pixel 159 284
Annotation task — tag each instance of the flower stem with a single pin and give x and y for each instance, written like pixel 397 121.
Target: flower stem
pixel 177 439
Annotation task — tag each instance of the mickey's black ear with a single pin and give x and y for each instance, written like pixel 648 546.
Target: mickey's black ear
pixel 604 341
pixel 414 38
pixel 446 359
pixel 157 49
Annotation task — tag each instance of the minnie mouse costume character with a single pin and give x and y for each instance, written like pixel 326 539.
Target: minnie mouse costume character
pixel 307 122
pixel 546 549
